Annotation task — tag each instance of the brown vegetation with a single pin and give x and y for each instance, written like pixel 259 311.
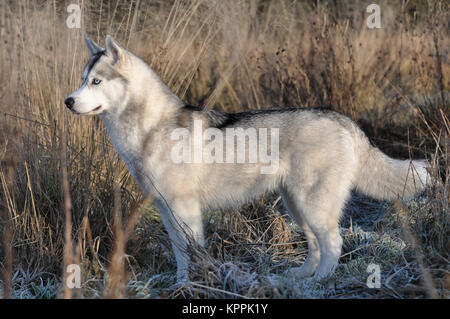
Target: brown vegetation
pixel 59 172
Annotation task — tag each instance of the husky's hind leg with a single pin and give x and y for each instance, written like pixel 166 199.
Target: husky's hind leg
pixel 313 258
pixel 322 205
pixel 319 201
pixel 183 222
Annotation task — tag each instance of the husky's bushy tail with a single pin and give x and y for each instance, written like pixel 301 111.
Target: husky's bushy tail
pixel 385 178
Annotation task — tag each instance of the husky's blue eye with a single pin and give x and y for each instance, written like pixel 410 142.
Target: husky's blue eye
pixel 96 81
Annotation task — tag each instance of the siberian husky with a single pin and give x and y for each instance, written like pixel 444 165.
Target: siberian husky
pixel 321 156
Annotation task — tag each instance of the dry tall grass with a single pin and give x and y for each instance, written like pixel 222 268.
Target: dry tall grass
pixel 228 55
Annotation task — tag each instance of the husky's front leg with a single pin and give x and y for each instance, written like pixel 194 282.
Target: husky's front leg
pixel 183 222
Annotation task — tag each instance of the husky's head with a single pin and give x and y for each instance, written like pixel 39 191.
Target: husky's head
pixel 104 82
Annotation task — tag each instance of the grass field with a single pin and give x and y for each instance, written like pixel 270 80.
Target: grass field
pixel 66 197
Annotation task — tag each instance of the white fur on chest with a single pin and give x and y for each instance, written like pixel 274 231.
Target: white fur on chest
pixel 127 142
pixel 144 161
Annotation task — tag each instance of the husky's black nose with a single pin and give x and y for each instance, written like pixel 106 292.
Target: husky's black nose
pixel 69 102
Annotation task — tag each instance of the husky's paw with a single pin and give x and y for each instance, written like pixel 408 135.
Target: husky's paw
pixel 274 280
pixel 180 285
pixel 299 272
pixel 182 280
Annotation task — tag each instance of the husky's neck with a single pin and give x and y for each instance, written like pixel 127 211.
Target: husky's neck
pixel 149 105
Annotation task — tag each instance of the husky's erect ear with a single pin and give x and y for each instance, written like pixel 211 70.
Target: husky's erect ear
pixel 92 46
pixel 113 49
